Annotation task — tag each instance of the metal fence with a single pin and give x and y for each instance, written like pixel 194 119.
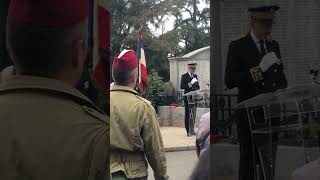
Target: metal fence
pixel 223 113
pixel 203 98
pixel 221 106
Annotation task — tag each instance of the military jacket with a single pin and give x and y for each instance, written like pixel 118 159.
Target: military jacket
pixel 49 130
pixel 243 72
pixel 242 69
pixel 135 135
pixel 185 79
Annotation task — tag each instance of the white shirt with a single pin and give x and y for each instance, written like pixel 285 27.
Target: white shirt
pixel 256 41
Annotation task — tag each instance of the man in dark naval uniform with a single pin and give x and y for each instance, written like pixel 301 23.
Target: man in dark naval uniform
pixel 189 82
pixel 254 67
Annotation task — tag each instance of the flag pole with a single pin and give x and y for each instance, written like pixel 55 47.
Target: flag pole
pixel 139 58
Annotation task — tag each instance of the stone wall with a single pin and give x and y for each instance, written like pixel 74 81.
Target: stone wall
pixel 170 116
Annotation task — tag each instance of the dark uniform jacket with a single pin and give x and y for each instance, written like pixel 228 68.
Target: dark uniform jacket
pixel 242 69
pixel 185 79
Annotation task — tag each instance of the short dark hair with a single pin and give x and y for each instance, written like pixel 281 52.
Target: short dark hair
pixel 122 78
pixel 40 51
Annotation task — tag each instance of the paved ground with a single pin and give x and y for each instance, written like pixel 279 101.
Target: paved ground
pixel 180 165
pixel 180 153
pixel 175 139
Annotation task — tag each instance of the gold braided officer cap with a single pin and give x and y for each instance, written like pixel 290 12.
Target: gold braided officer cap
pixel 192 65
pixel 263 12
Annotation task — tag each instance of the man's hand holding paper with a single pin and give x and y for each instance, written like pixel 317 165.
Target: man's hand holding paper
pixel 194 80
pixel 268 60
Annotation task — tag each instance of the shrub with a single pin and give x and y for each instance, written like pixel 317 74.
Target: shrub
pixel 155 91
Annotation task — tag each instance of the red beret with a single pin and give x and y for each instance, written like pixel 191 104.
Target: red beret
pixel 125 61
pixel 49 13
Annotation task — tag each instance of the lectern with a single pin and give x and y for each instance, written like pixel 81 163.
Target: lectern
pixel 276 107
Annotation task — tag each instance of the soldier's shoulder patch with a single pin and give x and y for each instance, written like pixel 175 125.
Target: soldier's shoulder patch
pixel 96 114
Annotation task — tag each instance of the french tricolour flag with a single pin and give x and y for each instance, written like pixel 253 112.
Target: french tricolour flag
pixel 143 74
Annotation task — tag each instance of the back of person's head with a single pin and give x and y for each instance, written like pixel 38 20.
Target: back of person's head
pixel 48 38
pixel 124 78
pixel 124 68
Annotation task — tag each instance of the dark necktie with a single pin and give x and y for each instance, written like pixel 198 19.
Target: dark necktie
pixel 262 49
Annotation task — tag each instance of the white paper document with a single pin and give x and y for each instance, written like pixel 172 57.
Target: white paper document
pixel 194 80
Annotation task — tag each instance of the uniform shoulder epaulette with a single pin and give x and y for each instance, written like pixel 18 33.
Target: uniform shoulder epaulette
pixel 96 114
pixel 144 100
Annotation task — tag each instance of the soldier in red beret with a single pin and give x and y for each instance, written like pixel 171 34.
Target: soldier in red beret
pixel 135 132
pixel 49 130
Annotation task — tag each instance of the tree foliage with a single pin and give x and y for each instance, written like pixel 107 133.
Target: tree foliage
pixel 193 30
pixel 156 89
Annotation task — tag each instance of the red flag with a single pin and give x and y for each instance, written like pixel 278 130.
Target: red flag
pixel 101 69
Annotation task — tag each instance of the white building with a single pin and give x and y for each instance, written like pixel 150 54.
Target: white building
pixel 179 66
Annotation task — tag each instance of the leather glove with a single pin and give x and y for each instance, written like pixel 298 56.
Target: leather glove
pixel 268 60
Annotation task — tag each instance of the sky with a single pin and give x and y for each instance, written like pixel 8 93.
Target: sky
pixel 169 21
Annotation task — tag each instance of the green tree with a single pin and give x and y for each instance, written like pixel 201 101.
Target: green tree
pixel 155 90
pixel 195 29
pixel 128 17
